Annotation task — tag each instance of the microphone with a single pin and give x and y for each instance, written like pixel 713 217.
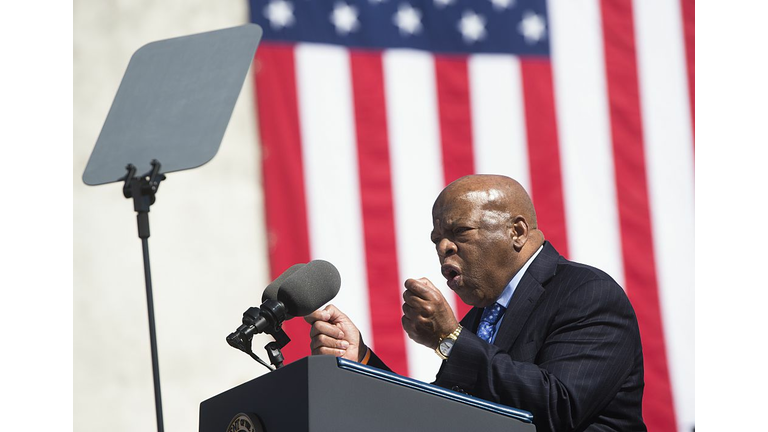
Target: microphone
pixel 300 290
pixel 270 292
pixel 309 287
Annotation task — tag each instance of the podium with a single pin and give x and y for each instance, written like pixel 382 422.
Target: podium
pixel 327 394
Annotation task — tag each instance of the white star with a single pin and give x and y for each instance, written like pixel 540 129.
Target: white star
pixel 472 27
pixel 443 3
pixel 344 17
pixel 502 4
pixel 279 13
pixel 532 27
pixel 407 19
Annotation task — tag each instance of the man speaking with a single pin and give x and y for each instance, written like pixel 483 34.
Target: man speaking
pixel 553 337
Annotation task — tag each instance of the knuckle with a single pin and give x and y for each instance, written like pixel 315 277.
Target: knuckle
pixel 406 322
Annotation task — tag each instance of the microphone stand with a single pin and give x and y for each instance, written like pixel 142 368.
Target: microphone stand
pixel 142 189
pixel 273 348
pixel 242 338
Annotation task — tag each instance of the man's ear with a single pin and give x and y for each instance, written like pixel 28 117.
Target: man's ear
pixel 519 231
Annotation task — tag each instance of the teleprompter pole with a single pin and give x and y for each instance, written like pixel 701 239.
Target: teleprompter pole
pixel 142 190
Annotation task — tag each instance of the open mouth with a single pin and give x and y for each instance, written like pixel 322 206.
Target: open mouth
pixel 451 273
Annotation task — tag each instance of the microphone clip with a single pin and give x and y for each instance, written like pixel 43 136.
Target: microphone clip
pixel 268 318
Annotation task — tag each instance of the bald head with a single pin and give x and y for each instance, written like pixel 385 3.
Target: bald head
pixel 494 193
pixel 485 229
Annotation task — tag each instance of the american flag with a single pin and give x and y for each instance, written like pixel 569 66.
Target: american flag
pixel 368 108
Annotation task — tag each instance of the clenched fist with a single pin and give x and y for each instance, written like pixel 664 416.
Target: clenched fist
pixel 333 333
pixel 427 316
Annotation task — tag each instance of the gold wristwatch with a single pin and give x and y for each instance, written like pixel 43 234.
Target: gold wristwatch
pixel 444 345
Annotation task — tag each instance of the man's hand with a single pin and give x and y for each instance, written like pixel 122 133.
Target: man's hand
pixel 334 334
pixel 427 315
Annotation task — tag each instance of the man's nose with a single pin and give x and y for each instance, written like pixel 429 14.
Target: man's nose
pixel 446 248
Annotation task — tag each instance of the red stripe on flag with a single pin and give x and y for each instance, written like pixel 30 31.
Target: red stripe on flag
pixel 286 214
pixel 384 286
pixel 543 151
pixel 689 31
pixel 452 78
pixel 634 210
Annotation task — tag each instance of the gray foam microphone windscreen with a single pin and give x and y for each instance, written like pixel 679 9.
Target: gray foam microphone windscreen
pixel 270 292
pixel 309 287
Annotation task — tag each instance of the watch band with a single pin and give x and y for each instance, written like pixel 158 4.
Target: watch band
pixel 454 335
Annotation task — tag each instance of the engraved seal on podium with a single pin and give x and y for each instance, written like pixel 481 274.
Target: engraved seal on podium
pixel 245 423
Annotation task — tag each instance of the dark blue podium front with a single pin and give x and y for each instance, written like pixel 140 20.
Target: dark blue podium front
pixel 323 393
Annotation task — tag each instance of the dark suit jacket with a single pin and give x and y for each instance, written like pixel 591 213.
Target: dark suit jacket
pixel 568 350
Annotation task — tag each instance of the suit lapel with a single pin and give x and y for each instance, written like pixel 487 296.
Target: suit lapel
pixel 520 307
pixel 526 296
pixel 472 319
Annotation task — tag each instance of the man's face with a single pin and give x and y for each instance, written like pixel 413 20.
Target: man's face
pixel 474 244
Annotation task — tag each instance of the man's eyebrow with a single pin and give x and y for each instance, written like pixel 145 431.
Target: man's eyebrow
pixel 460 221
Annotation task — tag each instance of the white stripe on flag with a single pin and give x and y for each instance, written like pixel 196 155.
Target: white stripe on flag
pixel 417 177
pixel 584 131
pixel 669 152
pixel 331 174
pixel 498 118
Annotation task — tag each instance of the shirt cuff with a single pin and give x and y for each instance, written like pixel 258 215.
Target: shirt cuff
pixel 367 356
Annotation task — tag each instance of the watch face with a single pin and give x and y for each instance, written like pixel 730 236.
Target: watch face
pixel 446 345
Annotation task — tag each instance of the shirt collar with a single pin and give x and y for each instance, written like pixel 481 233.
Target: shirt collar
pixel 506 295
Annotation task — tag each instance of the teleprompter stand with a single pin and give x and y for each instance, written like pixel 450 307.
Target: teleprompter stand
pixel 173 105
pixel 142 189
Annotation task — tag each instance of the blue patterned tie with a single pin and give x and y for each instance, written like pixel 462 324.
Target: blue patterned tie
pixel 487 327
